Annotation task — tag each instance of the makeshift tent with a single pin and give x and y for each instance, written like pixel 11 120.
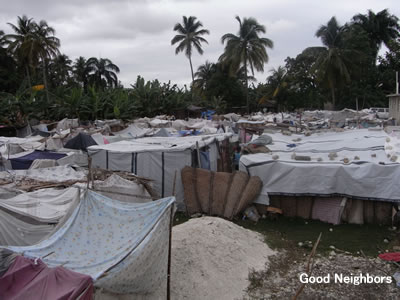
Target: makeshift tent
pixel 54 174
pixel 369 173
pixel 24 162
pixel 156 158
pixel 32 279
pixel 81 142
pixel 46 205
pixel 16 232
pixel 122 246
pixel 123 190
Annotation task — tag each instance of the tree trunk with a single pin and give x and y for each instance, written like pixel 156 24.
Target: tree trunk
pixel 332 86
pixel 191 69
pixel 45 85
pixel 247 84
pixel 29 77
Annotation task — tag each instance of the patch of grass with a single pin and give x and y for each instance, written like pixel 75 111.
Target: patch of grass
pixel 287 232
pixel 179 218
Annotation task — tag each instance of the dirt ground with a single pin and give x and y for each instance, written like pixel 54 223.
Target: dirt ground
pixel 281 279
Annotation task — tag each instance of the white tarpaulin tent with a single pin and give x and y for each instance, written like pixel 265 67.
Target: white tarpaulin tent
pixel 368 174
pixel 46 205
pixel 157 158
pixel 16 232
pixel 122 246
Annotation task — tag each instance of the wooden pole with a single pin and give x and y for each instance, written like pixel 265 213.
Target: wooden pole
pixel 90 171
pixel 169 253
pixel 174 184
pixel 198 155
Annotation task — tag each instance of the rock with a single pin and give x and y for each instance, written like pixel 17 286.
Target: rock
pixel 386 241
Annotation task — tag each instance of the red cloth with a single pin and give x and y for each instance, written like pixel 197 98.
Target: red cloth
pixel 391 256
pixel 25 280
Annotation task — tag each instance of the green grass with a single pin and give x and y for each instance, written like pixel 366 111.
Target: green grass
pixel 288 232
pixel 180 218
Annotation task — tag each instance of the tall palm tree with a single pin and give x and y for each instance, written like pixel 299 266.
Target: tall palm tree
pixel 20 43
pixel 60 70
pixel 381 28
pixel 81 71
pixel 246 49
pixel 2 39
pixel 103 72
pixel 189 36
pixel 45 46
pixel 204 74
pixel 334 61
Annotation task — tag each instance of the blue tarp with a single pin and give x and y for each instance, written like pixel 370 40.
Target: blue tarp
pixel 126 240
pixel 24 162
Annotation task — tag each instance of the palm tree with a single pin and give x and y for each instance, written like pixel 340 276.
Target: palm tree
pixel 204 74
pixel 60 70
pixel 381 28
pixel 333 63
pixel 20 43
pixel 103 72
pixel 3 40
pixel 189 37
pixel 246 49
pixel 45 46
pixel 81 71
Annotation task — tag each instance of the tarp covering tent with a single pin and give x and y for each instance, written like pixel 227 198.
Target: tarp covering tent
pixel 157 158
pixel 16 232
pixel 32 279
pixel 368 174
pixel 45 205
pixel 122 246
pixel 24 162
pixel 54 174
pixel 123 190
pixel 81 142
pixel 133 131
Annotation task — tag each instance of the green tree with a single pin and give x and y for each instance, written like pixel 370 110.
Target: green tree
pixel 45 46
pixel 334 61
pixel 203 75
pixel 246 49
pixel 103 72
pixel 60 70
pixel 81 71
pixel 20 43
pixel 189 36
pixel 381 28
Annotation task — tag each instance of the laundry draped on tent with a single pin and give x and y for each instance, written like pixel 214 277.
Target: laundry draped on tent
pixel 122 246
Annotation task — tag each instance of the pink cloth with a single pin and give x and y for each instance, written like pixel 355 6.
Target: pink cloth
pixel 25 280
pixel 391 256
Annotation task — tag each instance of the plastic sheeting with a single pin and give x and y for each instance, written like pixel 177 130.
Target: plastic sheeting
pixel 24 162
pixel 32 279
pixel 55 174
pixel 123 190
pixel 15 232
pixel 157 158
pixel 371 176
pixel 122 246
pixel 47 205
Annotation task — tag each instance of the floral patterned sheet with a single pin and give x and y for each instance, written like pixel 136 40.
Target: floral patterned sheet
pixel 122 246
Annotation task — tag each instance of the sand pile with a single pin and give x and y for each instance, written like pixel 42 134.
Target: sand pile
pixel 211 259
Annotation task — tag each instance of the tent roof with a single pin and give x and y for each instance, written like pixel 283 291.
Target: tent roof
pixel 81 142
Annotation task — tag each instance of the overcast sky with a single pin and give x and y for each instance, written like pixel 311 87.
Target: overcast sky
pixel 136 35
